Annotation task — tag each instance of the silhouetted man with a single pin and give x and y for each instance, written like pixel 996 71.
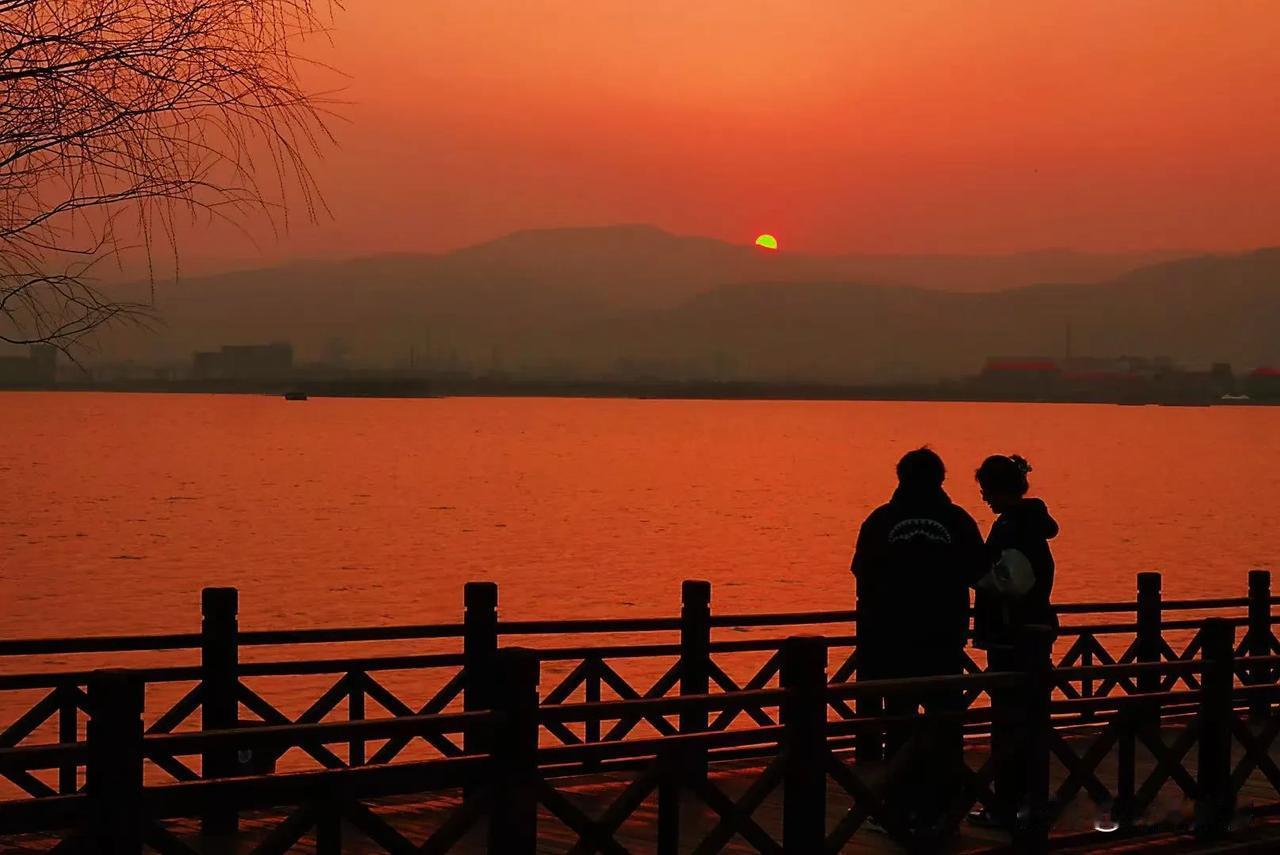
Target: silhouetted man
pixel 915 560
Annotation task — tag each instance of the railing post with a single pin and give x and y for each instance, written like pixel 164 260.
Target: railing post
pixel 804 744
pixel 113 771
pixel 1031 828
pixel 591 694
pixel 355 712
pixel 1149 642
pixel 220 681
pixel 1215 800
pixel 479 645
pixel 1126 768
pixel 1259 640
pixel 68 727
pixel 695 659
pixel 868 744
pixel 1147 648
pixel 513 824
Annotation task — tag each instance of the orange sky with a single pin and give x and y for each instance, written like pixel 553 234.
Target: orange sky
pixel 835 124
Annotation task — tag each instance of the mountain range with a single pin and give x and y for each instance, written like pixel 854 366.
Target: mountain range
pixel 635 299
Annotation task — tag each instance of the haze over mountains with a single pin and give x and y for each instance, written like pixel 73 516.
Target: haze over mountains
pixel 637 300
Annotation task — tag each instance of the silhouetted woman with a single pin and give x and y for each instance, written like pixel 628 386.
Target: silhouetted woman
pixel 1015 595
pixel 1024 525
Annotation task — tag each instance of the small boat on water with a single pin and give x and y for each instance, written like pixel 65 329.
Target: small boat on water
pixel 295 396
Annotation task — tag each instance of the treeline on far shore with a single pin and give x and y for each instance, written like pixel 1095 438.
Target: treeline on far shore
pixel 500 386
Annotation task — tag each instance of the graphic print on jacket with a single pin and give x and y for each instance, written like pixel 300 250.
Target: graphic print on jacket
pixel 919 529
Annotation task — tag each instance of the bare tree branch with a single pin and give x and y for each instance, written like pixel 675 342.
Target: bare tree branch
pixel 120 116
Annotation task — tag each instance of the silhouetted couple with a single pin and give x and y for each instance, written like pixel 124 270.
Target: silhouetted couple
pixel 915 561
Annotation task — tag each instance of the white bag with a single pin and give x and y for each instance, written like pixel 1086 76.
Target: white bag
pixel 1013 574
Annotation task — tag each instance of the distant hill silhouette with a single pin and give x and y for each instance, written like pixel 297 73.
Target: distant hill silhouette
pixel 640 299
pixel 643 265
pixel 1196 310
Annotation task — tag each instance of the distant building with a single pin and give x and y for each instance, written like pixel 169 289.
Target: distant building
pixel 132 371
pixel 1087 378
pixel 1019 365
pixel 1263 382
pixel 1021 376
pixel 1131 367
pixel 1122 378
pixel 244 362
pixel 1222 379
pixel 38 368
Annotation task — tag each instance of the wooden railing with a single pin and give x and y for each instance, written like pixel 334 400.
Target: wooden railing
pixel 226 687
pixel 502 790
pixel 487 721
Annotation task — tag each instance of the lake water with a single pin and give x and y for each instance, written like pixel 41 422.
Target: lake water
pixel 117 509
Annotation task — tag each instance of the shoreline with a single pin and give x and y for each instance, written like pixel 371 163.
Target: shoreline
pixel 665 390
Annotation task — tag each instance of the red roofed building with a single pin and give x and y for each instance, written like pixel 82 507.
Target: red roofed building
pixel 1019 376
pixel 1021 365
pixel 1263 382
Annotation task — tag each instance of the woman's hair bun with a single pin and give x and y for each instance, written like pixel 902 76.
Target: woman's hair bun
pixel 1021 462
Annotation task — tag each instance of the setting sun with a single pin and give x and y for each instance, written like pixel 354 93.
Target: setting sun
pixel 767 242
